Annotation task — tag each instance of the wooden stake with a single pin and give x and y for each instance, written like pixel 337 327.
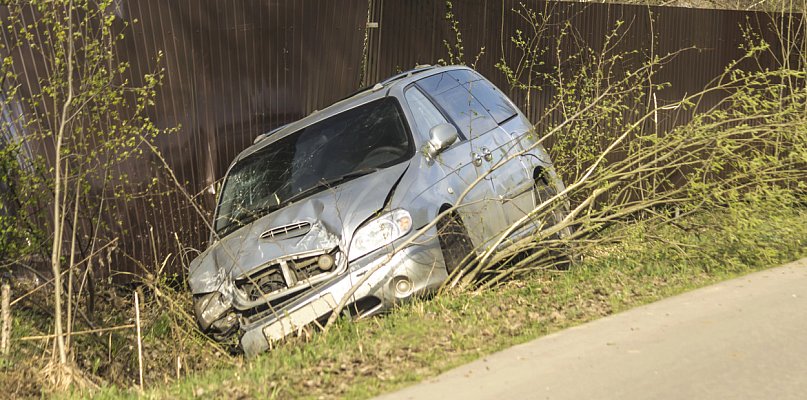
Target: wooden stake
pixel 5 315
pixel 139 339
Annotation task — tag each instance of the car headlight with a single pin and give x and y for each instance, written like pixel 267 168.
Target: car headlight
pixel 380 232
pixel 209 308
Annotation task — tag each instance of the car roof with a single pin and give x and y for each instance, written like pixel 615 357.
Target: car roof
pixel 362 96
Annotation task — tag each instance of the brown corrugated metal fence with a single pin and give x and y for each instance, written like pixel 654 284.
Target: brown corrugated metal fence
pixel 233 69
pixel 237 68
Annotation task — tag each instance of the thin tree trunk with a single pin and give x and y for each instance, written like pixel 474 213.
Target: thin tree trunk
pixel 56 250
pixel 57 199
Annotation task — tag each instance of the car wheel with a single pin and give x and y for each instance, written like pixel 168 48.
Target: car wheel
pixel 544 192
pixel 455 243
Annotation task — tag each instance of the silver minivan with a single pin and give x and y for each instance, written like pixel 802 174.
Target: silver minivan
pixel 312 207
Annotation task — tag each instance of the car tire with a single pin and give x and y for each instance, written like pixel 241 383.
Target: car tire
pixel 544 192
pixel 455 244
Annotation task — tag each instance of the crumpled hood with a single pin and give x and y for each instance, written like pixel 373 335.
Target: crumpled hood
pixel 334 215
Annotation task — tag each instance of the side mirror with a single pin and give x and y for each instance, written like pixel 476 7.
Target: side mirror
pixel 440 138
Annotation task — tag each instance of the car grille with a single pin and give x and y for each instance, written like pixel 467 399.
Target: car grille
pixel 277 277
pixel 287 231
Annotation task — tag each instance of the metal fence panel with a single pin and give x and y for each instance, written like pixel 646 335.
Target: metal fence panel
pixel 237 68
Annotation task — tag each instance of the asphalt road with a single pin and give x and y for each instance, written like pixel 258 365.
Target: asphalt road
pixel 741 339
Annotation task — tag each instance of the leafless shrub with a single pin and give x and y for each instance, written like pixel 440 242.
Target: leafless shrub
pixel 751 143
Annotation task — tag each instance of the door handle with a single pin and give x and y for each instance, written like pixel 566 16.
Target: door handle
pixel 486 154
pixel 477 158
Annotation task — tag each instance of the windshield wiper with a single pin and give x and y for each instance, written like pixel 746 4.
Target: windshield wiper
pixel 324 184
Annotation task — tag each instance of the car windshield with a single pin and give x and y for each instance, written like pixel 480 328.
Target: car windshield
pixel 340 148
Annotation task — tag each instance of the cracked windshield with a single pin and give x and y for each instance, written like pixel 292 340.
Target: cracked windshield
pixel 335 150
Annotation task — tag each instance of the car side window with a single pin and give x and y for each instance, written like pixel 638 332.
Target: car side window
pixel 451 93
pixel 492 99
pixel 437 84
pixel 469 115
pixel 426 115
pixel 463 76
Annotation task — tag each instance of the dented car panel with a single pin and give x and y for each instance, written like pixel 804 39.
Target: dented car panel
pixel 311 209
pixel 410 271
pixel 334 214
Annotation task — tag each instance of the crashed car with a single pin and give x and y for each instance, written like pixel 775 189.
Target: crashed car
pixel 312 207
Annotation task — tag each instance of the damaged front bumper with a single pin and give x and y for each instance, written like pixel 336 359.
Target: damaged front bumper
pixel 414 270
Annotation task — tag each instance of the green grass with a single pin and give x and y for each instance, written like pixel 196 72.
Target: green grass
pixel 422 339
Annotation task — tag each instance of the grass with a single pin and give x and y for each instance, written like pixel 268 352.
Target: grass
pixel 417 341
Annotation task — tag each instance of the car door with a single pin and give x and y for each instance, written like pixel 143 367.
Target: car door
pixel 454 165
pixel 500 154
pixel 450 93
pixel 513 179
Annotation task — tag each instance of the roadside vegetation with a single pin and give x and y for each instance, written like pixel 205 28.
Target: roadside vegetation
pixel 369 357
pixel 647 212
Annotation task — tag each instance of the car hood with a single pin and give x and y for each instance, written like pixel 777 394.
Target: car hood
pixel 333 215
